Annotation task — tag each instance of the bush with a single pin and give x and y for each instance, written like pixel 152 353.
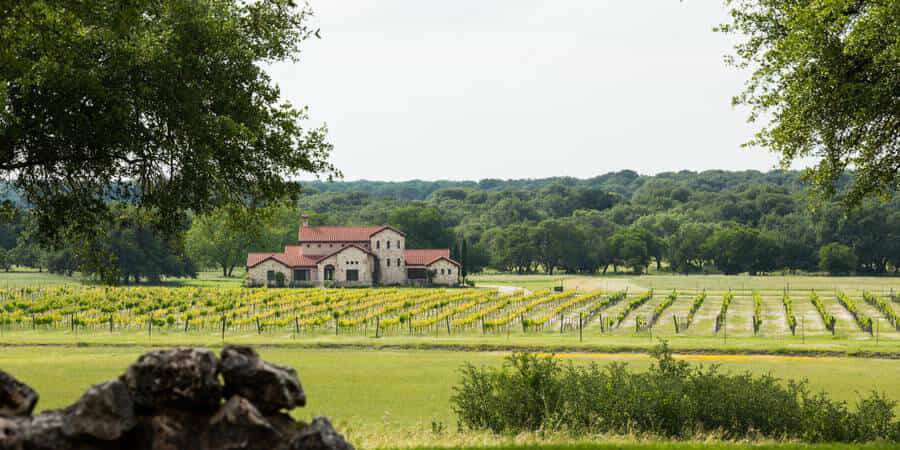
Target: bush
pixel 671 399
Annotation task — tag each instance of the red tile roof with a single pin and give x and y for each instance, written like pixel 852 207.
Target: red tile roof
pixel 424 257
pixel 293 256
pixel 339 234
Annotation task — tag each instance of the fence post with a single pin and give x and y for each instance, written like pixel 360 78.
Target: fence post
pixel 223 327
pixel 561 323
pixel 580 327
pixel 376 326
pixel 675 319
pixel 110 323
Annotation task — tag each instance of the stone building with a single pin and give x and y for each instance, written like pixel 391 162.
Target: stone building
pixel 351 256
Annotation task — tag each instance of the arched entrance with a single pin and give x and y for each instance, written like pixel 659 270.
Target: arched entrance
pixel 329 273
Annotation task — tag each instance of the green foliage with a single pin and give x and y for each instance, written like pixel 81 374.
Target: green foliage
pixel 757 312
pixel 826 75
pixel 885 307
pixel 828 319
pixel 723 310
pixel 837 259
pixel 864 321
pixel 789 313
pixel 671 399
pixel 632 305
pixel 162 104
pixel 695 305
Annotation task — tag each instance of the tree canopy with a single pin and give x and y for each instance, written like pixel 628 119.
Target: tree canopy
pixel 826 78
pixel 163 104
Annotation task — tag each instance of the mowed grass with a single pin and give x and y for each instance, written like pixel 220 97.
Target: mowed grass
pixel 679 446
pixel 389 398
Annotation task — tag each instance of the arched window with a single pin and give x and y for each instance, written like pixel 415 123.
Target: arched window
pixel 398 243
pixel 377 244
pixel 398 262
pixel 388 244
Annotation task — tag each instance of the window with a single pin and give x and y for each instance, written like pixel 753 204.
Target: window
pixel 320 245
pixel 330 245
pixel 442 271
pixel 449 271
pixel 388 262
pixel 301 275
pixel 270 275
pixel 388 243
pixel 377 244
pixel 398 262
pixel 416 274
pixel 329 273
pixel 353 275
pixel 398 243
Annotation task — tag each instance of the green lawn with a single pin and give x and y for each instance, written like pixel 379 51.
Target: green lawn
pixel 19 277
pixel 383 398
pixel 680 446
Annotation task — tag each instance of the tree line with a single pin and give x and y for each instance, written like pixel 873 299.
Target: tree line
pixel 685 222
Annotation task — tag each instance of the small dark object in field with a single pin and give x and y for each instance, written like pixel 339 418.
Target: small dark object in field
pixel 172 399
pixel 16 398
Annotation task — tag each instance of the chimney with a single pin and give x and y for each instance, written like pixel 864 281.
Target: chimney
pixel 305 222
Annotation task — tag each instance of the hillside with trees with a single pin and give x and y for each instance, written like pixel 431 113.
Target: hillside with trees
pixel 685 222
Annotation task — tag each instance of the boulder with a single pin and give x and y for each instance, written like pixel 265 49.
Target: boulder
pixel 239 425
pixel 320 435
pixel 268 386
pixel 172 400
pixel 183 378
pixel 16 398
pixel 105 412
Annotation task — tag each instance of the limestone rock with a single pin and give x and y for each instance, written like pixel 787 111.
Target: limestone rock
pixel 239 425
pixel 268 386
pixel 184 378
pixel 105 412
pixel 16 398
pixel 320 435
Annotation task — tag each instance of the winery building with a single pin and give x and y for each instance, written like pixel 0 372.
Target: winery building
pixel 351 256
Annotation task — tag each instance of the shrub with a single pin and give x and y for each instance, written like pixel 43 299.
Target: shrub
pixel 671 399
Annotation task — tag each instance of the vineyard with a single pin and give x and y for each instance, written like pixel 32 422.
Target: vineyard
pixel 386 312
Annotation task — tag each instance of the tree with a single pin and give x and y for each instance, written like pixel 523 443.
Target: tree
pixel 163 104
pixel 223 237
pixel 686 246
pixel 424 227
pixel 827 74
pixel 837 259
pixel 631 248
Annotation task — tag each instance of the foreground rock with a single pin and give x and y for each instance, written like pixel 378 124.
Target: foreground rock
pixel 16 398
pixel 172 400
pixel 269 387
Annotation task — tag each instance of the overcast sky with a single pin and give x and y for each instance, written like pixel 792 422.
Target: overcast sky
pixel 472 89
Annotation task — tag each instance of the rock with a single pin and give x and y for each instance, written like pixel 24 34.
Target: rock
pixel 16 398
pixel 239 425
pixel 172 400
pixel 183 378
pixel 44 432
pixel 268 386
pixel 105 411
pixel 320 435
pixel 10 435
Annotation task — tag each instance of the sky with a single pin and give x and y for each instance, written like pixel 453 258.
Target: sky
pixel 472 89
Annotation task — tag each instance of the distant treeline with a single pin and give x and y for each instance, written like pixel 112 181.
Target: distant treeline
pixel 685 222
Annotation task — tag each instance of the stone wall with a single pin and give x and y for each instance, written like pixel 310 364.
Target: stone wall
pixel 173 399
pixel 257 274
pixel 446 273
pixel 350 258
pixel 391 273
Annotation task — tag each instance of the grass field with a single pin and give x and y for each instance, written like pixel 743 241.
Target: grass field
pixel 384 398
